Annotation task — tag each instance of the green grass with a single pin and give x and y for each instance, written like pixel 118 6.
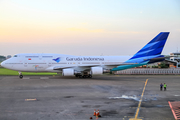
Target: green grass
pixel 4 71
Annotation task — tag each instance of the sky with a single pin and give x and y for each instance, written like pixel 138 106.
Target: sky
pixel 87 27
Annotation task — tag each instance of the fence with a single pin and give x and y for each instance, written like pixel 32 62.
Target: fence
pixel 150 71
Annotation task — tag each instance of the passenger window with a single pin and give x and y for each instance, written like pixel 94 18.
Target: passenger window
pixel 15 55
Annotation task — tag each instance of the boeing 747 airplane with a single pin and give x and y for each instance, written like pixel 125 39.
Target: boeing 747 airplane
pixel 86 66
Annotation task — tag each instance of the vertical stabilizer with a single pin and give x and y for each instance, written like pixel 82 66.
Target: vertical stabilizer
pixel 154 47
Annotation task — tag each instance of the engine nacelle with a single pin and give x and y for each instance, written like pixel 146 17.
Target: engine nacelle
pixel 96 70
pixel 68 72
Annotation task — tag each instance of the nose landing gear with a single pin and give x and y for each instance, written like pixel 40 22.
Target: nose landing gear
pixel 20 75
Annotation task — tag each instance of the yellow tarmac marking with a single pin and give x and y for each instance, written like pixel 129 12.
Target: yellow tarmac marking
pixel 139 105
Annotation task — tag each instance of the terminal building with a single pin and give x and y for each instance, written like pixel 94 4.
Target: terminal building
pixel 174 61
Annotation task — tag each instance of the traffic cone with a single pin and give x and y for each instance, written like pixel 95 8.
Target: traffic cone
pixel 98 113
pixel 94 112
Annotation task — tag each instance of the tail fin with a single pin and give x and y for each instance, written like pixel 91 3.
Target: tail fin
pixel 154 47
pixel 148 53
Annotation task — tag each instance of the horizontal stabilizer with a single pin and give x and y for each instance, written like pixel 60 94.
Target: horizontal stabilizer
pixel 123 67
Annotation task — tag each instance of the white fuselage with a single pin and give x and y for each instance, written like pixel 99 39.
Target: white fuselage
pixel 48 62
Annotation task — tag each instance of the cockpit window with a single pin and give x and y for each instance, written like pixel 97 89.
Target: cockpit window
pixel 15 55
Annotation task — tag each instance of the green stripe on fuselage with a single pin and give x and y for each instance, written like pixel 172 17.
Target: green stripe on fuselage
pixel 123 67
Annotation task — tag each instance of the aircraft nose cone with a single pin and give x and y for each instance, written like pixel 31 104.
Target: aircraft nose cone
pixel 2 64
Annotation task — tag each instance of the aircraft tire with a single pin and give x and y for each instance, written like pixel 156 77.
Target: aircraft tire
pixel 20 76
pixel 80 76
pixel 90 76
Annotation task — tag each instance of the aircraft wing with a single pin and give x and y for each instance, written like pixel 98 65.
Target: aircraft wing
pixel 61 67
pixel 105 66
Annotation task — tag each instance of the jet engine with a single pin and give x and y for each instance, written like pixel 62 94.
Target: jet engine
pixel 68 72
pixel 96 70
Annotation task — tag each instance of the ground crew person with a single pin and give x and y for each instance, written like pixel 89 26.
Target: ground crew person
pixel 161 86
pixel 165 86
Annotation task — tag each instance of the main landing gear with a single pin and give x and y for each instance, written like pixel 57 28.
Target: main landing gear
pixel 20 75
pixel 84 76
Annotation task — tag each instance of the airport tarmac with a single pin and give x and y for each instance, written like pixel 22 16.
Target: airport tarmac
pixel 69 98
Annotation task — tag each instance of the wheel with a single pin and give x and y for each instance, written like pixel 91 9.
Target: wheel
pixel 90 76
pixel 77 75
pixel 21 76
pixel 80 76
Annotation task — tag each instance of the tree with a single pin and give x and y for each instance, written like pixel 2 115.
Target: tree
pixel 163 65
pixel 2 58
